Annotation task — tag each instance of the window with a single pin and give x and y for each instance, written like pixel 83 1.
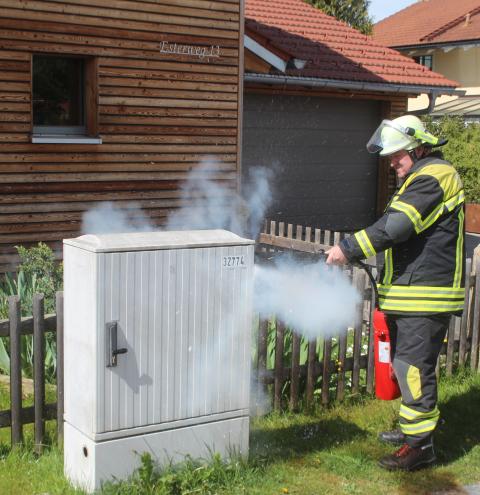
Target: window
pixel 425 60
pixel 64 100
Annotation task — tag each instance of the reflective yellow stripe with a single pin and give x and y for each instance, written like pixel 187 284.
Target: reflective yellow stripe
pixel 420 305
pixel 414 382
pixel 452 188
pixel 409 414
pixel 415 217
pixel 446 176
pixel 424 288
pixel 411 213
pixel 449 205
pixel 421 291
pixel 361 243
pixel 405 184
pixel 369 244
pixel 388 267
pixel 459 256
pixel 433 217
pixel 422 427
pixel 452 203
pixel 420 302
pixel 365 244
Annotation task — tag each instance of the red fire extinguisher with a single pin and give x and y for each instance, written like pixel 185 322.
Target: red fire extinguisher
pixel 386 384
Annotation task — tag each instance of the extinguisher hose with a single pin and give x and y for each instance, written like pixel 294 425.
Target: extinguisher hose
pixel 368 271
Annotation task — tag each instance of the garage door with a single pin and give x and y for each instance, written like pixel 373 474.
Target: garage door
pixel 322 174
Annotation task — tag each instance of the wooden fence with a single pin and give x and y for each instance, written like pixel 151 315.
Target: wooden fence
pixel 37 325
pixel 292 370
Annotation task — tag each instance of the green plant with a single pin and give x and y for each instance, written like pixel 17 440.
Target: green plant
pixel 38 263
pixel 38 272
pixel 462 150
pixel 192 476
pixel 353 12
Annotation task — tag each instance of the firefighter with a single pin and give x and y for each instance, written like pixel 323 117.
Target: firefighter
pixel 421 284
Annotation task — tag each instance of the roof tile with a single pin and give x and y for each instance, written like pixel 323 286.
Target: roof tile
pixel 430 21
pixel 332 48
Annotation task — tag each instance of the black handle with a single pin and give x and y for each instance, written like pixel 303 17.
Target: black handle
pixel 111 328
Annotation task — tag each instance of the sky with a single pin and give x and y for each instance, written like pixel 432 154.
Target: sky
pixel 379 9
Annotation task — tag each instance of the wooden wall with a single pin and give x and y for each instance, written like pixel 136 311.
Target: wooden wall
pixel 159 115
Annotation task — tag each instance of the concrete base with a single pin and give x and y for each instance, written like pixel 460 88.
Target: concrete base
pixel 88 464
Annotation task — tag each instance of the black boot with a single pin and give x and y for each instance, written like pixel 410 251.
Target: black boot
pixel 396 437
pixel 408 458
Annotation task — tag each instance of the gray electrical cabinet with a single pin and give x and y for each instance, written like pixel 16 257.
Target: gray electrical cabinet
pixel 157 349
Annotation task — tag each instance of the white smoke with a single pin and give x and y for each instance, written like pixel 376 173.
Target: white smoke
pixel 215 206
pixel 207 204
pixel 107 218
pixel 313 299
pixel 258 197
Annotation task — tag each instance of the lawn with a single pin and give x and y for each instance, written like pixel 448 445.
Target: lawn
pixel 333 451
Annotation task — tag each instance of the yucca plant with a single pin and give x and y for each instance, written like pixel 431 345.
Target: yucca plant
pixel 37 273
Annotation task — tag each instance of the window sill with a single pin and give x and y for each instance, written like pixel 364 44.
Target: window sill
pixel 55 139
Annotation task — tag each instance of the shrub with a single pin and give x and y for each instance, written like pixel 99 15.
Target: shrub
pixel 38 272
pixel 39 264
pixel 462 150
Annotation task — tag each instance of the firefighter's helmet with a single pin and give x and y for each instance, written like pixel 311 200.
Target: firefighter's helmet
pixel 403 133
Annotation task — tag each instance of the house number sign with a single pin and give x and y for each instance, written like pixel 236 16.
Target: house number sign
pixel 201 52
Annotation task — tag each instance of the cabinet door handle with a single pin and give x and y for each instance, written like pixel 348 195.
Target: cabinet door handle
pixel 113 351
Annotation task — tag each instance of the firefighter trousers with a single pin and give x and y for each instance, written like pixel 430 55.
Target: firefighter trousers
pixel 416 342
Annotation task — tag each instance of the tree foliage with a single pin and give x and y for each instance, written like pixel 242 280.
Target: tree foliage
pixel 353 12
pixel 462 150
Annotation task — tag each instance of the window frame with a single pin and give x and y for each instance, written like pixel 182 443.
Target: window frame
pixel 81 134
pixel 421 59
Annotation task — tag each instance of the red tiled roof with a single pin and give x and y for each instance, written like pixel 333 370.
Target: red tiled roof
pixel 332 48
pixel 430 21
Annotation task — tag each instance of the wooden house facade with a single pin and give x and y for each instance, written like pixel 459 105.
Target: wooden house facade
pixel 112 101
pixel 119 101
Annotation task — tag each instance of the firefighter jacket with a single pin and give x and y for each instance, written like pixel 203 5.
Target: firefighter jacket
pixel 422 236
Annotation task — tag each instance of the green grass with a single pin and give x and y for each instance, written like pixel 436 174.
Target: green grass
pixel 333 451
pixel 336 451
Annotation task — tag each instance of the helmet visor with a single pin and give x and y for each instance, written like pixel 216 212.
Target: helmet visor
pixel 390 138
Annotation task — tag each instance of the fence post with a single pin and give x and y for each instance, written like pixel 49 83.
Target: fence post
pixel 474 353
pixel 450 346
pixel 342 356
pixel 327 355
pixel 312 359
pixel 279 347
pixel 60 406
pixel 262 363
pixel 462 350
pixel 370 355
pixel 358 331
pixel 295 371
pixel 15 370
pixel 39 370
